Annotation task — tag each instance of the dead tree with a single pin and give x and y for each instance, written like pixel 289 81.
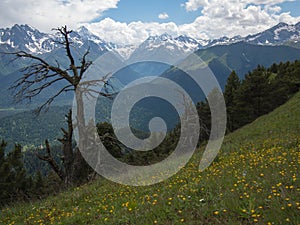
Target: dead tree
pixel 40 75
pixel 72 161
pixel 65 172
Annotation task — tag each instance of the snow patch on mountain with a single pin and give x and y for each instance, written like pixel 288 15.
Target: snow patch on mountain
pixel 125 51
pixel 277 35
pixel 181 43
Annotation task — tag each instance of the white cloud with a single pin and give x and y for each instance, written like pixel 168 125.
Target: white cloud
pixel 163 16
pixel 132 33
pixel 193 5
pixel 49 14
pixel 234 17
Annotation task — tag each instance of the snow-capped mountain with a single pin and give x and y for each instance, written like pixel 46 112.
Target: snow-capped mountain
pixel 123 50
pixel 280 34
pixel 27 38
pixel 277 35
pixel 183 43
pixel 165 46
pixel 224 41
pixel 87 35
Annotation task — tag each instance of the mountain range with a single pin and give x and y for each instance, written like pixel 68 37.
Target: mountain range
pixel 279 43
pixel 27 38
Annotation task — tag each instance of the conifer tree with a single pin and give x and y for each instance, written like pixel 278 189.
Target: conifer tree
pixel 253 98
pixel 231 87
pixel 14 182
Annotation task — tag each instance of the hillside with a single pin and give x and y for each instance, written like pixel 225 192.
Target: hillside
pixel 254 180
pixel 244 57
pixel 223 59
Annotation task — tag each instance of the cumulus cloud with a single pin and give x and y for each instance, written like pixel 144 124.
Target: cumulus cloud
pixel 234 17
pixel 49 14
pixel 193 5
pixel 163 16
pixel 130 33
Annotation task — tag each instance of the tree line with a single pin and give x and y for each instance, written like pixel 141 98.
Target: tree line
pixel 261 91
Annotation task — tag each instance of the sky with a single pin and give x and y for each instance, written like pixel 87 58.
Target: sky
pixel 132 21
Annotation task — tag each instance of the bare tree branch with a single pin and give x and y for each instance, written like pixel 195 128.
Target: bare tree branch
pixel 51 99
pixel 84 64
pixel 65 33
pixel 49 158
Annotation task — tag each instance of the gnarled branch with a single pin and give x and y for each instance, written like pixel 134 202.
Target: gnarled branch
pixel 49 158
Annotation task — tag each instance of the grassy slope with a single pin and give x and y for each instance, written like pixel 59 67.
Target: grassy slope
pixel 254 180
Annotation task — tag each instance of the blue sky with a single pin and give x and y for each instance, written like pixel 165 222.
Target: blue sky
pixel 293 7
pixel 132 21
pixel 148 11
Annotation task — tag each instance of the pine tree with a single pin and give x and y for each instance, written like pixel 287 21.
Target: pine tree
pixel 18 173
pixel 39 183
pixel 14 183
pixel 231 87
pixel 204 120
pixel 4 171
pixel 109 140
pixel 253 98
pixel 2 152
